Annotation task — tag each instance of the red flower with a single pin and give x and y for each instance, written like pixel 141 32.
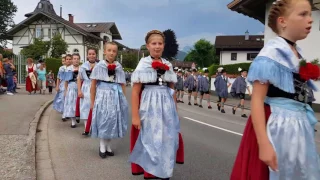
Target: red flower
pixel 309 71
pixel 159 65
pixel 111 67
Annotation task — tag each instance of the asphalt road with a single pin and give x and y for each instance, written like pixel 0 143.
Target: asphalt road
pixel 211 142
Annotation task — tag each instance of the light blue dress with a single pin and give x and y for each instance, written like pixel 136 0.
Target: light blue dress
pixel 290 127
pixel 85 102
pixel 157 144
pixel 72 93
pixel 58 101
pixel 110 113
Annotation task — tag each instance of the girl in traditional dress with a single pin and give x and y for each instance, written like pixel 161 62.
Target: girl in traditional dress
pixel 179 87
pixel 31 80
pixel 155 148
pixel 84 85
pixel 222 83
pixel 280 132
pixel 204 88
pixel 110 107
pixel 71 89
pixel 238 89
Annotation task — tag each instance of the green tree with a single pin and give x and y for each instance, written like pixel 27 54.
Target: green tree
pixel 171 46
pixel 7 12
pixel 36 50
pixel 203 54
pixel 58 46
pixel 130 59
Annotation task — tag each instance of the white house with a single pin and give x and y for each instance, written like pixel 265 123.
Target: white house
pixel 259 10
pixel 238 49
pixel 44 23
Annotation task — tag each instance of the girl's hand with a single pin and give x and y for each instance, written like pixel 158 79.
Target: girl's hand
pixel 80 94
pixel 136 122
pixel 91 106
pixel 57 88
pixel 268 155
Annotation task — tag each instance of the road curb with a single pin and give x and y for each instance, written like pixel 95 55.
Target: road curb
pixel 32 134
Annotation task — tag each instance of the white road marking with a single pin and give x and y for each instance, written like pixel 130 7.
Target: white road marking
pixel 226 130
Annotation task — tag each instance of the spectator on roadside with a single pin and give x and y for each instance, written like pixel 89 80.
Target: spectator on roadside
pixel 51 81
pixel 9 67
pixel 2 72
pixel 42 80
pixel 15 82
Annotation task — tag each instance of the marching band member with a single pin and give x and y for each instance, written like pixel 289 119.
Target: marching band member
pixel 204 88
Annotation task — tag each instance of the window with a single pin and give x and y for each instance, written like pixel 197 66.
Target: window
pixel 251 56
pixel 40 5
pixel 76 51
pixel 49 33
pixel 54 32
pixel 38 33
pixel 233 56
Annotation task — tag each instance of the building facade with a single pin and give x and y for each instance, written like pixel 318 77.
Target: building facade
pixel 44 23
pixel 238 49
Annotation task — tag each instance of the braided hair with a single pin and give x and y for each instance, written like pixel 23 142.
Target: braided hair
pixel 279 8
pixel 153 32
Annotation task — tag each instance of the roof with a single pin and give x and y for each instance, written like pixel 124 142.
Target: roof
pixel 257 8
pixel 44 6
pixel 59 19
pixel 253 8
pixel 99 27
pixel 183 64
pixel 239 42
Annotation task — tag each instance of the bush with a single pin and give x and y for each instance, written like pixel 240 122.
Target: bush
pixel 128 69
pixel 232 69
pixel 54 65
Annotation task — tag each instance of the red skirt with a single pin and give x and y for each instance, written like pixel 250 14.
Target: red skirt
pixel 136 169
pixel 78 107
pixel 247 164
pixel 29 87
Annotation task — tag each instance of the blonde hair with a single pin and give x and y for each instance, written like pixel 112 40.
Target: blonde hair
pixel 279 8
pixel 5 60
pixel 153 32
pixel 30 59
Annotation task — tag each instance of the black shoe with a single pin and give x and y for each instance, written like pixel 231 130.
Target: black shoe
pixel 222 111
pixel 200 106
pixel 102 155
pixel 189 103
pixel 181 101
pixel 110 153
pixel 315 130
pixel 219 107
pixel 64 119
pixel 196 104
pixel 209 107
pixel 244 116
pixel 78 119
pixel 233 111
pixel 85 133
pixel 73 126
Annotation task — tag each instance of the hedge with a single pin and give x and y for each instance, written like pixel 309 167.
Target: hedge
pixel 53 64
pixel 232 69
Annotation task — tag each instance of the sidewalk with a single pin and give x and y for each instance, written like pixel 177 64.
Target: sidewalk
pixel 17 134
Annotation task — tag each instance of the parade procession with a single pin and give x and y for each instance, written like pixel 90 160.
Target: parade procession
pixel 188 104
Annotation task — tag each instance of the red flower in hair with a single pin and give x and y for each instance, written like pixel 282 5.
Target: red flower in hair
pixel 159 65
pixel 111 67
pixel 309 71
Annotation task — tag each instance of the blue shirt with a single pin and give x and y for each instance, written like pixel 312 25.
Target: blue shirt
pixel 7 68
pixel 42 74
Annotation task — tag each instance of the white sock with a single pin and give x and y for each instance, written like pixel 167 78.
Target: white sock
pixel 102 145
pixel 85 124
pixel 108 141
pixel 73 121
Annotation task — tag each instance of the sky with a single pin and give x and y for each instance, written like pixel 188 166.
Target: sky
pixel 190 19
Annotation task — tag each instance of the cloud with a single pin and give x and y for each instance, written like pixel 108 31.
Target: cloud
pixel 190 40
pixel 141 4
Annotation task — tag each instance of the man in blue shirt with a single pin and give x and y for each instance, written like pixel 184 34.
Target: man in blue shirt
pixel 9 67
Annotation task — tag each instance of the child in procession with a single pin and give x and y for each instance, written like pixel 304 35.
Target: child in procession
pixel 154 151
pixel 71 89
pixel 108 102
pixel 84 86
pixel 204 88
pixel 58 101
pixel 222 83
pixel 279 141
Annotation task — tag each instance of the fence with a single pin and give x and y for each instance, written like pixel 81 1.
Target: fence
pixel 20 63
